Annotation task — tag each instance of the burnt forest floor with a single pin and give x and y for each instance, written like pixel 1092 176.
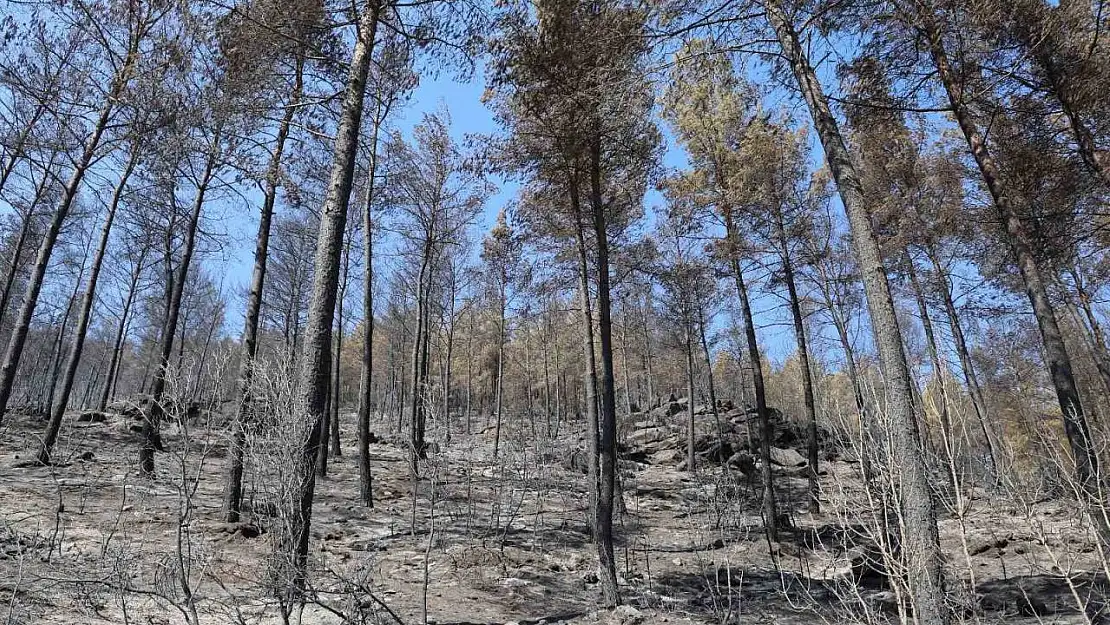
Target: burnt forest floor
pixel 88 540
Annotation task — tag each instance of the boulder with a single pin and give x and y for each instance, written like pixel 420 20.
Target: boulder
pixel 786 457
pixel 718 452
pixel 742 462
pixel 625 615
pixel 92 416
pixel 647 436
pixel 736 416
pixel 665 456
pixel 667 410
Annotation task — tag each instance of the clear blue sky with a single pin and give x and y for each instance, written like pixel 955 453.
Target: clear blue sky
pixel 462 98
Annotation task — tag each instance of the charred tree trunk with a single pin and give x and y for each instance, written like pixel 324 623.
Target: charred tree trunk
pixel 151 440
pixel 121 333
pixel 336 376
pixel 59 341
pixel 709 378
pixel 316 361
pixel 547 338
pixel 417 427
pixel 58 407
pixel 50 238
pixel 500 384
pixel 648 369
pixel 366 479
pixel 589 373
pixel 939 370
pixel 766 432
pixel 449 352
pixel 233 497
pixel 921 541
pixel 803 364
pixel 944 287
pixel 469 371
pixel 691 458
pixel 1059 362
pixel 607 418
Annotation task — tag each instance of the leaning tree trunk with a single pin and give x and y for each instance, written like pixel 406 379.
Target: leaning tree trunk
pixel 49 94
pixel 333 421
pixel 500 388
pixel 366 480
pixel 1097 337
pixel 840 323
pixel 589 373
pixel 691 459
pixel 1084 138
pixel 234 490
pixel 1078 433
pixel 939 371
pixel 1041 44
pixel 121 334
pixel 17 149
pixel 151 423
pixel 921 541
pixel 944 287
pixel 46 247
pixel 710 380
pixel 58 407
pixel 803 364
pixel 198 370
pixel 766 431
pixel 315 370
pixel 607 417
pixel 21 240
pixel 1087 336
pixel 865 422
pixel 17 254
pixel 59 341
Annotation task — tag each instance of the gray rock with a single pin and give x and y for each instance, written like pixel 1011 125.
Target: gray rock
pixel 646 436
pixel 786 457
pixel 625 615
pixel 666 456
pixel 742 462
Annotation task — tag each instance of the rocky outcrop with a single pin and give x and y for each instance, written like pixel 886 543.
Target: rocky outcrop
pixel 659 437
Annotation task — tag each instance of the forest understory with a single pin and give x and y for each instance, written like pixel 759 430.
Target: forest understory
pixel 87 540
